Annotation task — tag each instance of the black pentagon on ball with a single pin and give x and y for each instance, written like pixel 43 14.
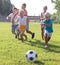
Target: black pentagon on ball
pixel 31 58
pixel 31 52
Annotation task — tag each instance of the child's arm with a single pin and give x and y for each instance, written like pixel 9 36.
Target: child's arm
pixel 48 25
pixel 41 17
pixel 9 17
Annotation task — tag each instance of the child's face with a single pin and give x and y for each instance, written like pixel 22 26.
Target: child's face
pixel 15 11
pixel 47 18
pixel 45 9
pixel 23 7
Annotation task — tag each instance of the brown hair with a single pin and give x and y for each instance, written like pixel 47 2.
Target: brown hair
pixel 24 4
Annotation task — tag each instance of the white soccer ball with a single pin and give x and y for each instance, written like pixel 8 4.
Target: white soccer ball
pixel 31 55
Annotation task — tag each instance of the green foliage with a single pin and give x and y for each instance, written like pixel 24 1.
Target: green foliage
pixel 12 51
pixel 57 7
pixel 5 7
pixel 54 18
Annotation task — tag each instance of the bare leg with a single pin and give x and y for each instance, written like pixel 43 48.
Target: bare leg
pixel 22 38
pixel 21 35
pixel 19 38
pixel 42 32
pixel 49 38
pixel 33 34
pixel 25 36
pixel 29 32
pixel 46 39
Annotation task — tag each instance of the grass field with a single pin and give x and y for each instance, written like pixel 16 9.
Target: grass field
pixel 12 51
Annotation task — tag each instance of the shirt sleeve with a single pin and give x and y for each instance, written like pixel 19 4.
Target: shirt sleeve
pixel 44 22
pixel 51 22
pixel 10 15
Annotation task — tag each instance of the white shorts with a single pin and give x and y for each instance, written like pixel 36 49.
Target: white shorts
pixel 46 32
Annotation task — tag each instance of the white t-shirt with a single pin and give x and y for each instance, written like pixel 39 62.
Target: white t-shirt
pixel 16 19
pixel 43 17
pixel 23 20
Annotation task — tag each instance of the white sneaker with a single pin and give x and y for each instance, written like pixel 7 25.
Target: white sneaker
pixel 46 46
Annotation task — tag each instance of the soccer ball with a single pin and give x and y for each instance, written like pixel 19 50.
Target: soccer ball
pixel 31 55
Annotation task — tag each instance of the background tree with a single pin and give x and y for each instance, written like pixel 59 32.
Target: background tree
pixel 57 7
pixel 5 7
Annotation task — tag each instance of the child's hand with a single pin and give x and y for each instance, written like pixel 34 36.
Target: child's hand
pixel 44 25
pixel 15 13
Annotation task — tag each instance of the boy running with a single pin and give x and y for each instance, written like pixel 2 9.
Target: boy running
pixel 27 24
pixel 48 29
pixel 42 20
pixel 15 21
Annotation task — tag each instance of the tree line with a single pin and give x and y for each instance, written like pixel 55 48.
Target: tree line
pixel 5 7
pixel 56 16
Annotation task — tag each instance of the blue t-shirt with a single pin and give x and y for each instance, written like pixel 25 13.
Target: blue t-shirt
pixel 49 29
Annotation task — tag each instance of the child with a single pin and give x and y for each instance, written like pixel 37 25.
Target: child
pixel 27 23
pixel 22 25
pixel 15 21
pixel 48 29
pixel 42 18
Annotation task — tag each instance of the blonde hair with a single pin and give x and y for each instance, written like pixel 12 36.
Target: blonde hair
pixel 48 15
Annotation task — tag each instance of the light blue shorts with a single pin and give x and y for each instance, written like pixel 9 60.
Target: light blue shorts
pixel 14 28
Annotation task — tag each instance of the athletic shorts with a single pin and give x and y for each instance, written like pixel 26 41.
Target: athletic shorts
pixel 14 28
pixel 22 28
pixel 46 32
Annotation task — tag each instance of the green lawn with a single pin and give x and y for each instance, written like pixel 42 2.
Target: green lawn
pixel 12 51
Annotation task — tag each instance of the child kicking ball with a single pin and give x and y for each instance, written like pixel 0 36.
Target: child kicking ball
pixel 48 30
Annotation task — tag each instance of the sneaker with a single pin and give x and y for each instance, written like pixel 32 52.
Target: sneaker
pixel 33 35
pixel 46 46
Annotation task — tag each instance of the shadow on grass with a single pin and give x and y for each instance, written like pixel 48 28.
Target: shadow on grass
pixel 56 60
pixel 39 44
pixel 54 48
pixel 34 63
pixel 39 63
pixel 36 43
